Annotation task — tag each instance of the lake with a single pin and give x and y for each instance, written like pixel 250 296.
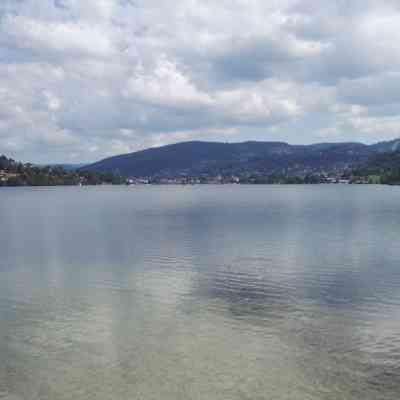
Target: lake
pixel 202 292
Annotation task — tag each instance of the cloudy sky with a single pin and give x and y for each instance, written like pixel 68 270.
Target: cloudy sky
pixel 82 80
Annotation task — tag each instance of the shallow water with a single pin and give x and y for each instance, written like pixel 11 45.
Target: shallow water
pixel 204 292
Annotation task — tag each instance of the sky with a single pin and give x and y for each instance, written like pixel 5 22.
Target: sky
pixel 84 80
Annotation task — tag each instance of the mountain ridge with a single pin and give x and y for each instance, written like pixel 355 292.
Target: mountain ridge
pixel 197 158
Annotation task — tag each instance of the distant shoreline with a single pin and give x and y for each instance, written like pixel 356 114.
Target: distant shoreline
pixel 198 184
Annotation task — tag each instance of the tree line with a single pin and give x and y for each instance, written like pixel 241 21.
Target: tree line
pixel 14 173
pixel 382 168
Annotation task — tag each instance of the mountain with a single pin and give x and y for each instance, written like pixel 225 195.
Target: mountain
pixel 67 167
pixel 381 168
pixel 261 158
pixel 387 147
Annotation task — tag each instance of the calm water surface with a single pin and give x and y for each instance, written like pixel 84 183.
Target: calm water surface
pixel 205 292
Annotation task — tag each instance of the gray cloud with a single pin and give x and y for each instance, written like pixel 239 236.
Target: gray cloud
pixel 83 80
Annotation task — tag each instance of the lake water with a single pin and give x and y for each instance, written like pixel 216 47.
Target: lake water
pixel 204 292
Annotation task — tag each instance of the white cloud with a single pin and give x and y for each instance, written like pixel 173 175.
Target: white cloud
pixel 42 37
pixel 85 79
pixel 165 85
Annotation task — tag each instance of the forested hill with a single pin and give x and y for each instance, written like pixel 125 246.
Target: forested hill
pixel 383 167
pixel 248 162
pixel 263 158
pixel 14 173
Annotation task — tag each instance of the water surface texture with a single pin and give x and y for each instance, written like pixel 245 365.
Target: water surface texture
pixel 204 292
